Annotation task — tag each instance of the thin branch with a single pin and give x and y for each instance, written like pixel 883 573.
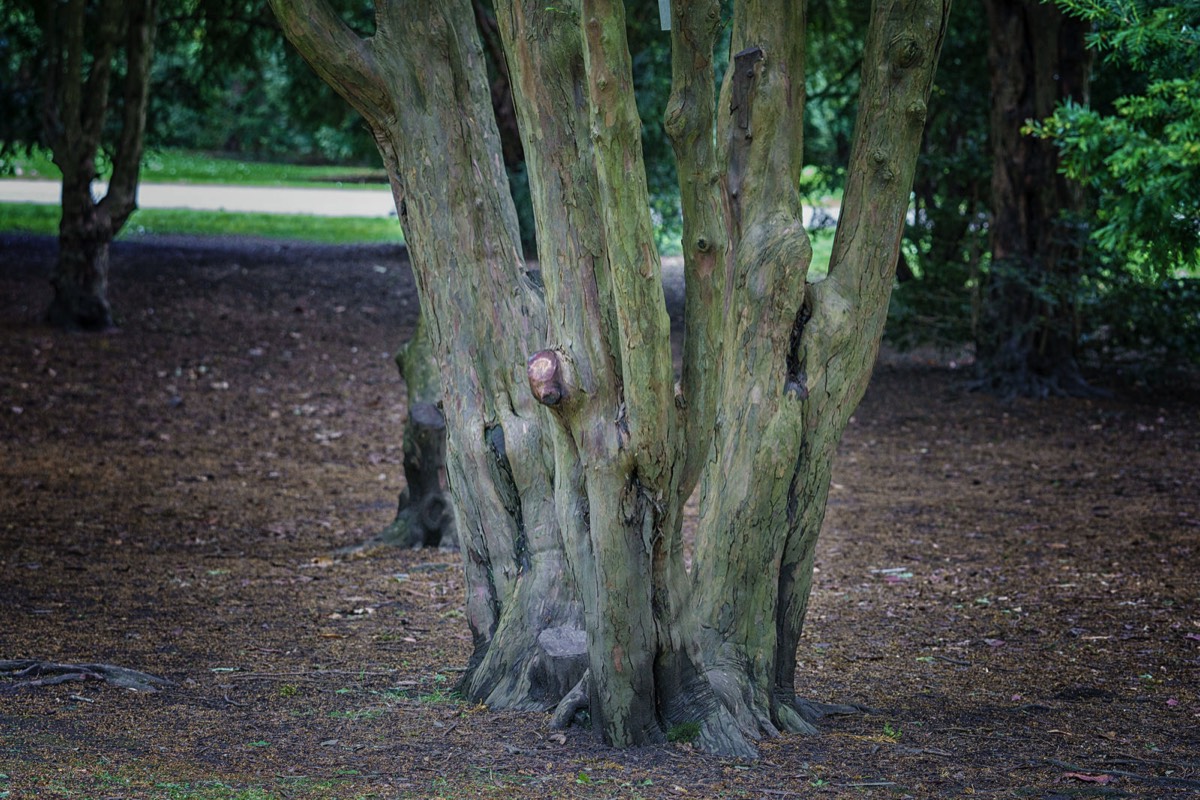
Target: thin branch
pixel 51 112
pixel 70 79
pixel 120 201
pixel 340 56
pixel 691 124
pixel 836 84
pixel 903 49
pixel 94 107
pixel 636 274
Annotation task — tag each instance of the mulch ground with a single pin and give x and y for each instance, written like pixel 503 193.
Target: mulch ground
pixel 1013 587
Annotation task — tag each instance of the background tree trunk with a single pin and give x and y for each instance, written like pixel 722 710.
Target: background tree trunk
pixel 423 515
pixel 1027 330
pixel 77 104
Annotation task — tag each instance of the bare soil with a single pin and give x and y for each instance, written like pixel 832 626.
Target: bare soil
pixel 1013 587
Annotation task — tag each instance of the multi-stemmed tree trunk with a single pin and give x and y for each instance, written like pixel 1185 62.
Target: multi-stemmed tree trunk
pixel 572 444
pixel 1027 331
pixel 86 43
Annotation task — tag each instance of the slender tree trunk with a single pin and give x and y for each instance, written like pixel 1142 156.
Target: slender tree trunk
pixel 423 515
pixel 1026 340
pixel 76 113
pixel 571 442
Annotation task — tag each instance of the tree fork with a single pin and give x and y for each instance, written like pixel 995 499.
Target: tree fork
pixel 663 648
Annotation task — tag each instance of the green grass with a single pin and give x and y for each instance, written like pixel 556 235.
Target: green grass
pixel 822 245
pixel 43 219
pixel 186 166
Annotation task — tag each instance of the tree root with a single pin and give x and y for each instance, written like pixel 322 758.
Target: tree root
pixel 572 703
pixel 812 711
pixel 798 715
pixel 31 673
pixel 729 724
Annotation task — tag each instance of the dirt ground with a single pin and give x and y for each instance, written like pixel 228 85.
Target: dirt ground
pixel 1013 587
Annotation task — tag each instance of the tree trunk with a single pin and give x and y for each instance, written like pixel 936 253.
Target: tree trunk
pixel 423 515
pixel 421 84
pixel 1027 334
pixel 80 278
pixel 596 480
pixel 76 113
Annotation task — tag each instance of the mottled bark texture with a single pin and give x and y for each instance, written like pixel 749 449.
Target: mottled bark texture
pixel 573 445
pixel 421 84
pixel 1027 330
pixel 90 45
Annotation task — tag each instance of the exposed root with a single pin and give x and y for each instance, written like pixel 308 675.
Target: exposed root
pixel 721 735
pixel 572 703
pixel 812 711
pixel 793 721
pixel 798 715
pixel 30 673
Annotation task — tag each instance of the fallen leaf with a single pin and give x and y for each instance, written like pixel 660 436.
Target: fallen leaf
pixel 558 738
pixel 1082 776
pixel 1193 636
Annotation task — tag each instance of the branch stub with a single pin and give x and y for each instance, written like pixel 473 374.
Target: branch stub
pixel 545 371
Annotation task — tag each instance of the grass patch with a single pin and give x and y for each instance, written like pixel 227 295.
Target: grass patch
pixel 684 732
pixel 822 245
pixel 186 166
pixel 43 219
pixel 357 714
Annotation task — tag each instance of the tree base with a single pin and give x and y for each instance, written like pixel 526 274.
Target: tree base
pixel 80 313
pixel 427 524
pixel 1013 377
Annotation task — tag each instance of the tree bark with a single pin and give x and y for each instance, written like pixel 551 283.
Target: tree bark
pixel 1027 334
pixel 420 82
pixel 75 114
pixel 587 463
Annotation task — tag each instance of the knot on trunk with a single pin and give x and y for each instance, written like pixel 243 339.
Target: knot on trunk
pixel 548 377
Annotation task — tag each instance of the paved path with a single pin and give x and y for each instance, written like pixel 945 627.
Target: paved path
pixel 321 202
pixel 317 202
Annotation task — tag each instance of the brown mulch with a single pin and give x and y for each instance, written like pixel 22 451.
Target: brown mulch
pixel 1014 587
